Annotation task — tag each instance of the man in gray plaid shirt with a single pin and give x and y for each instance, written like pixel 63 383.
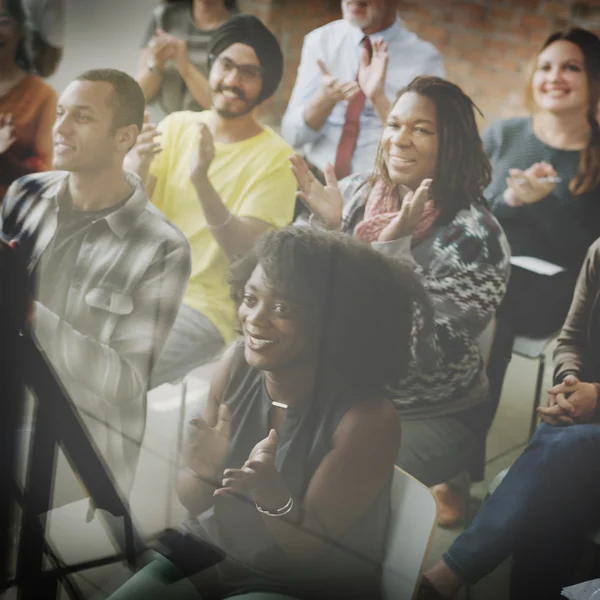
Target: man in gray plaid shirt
pixel 111 271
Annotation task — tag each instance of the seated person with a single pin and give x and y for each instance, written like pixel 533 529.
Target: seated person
pixel 173 68
pixel 111 271
pixel 298 424
pixel 340 100
pixel 552 220
pixel 424 204
pixel 27 104
pixel 223 179
pixel 46 22
pixel 548 501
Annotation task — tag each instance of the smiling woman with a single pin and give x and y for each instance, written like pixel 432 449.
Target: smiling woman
pixel 545 189
pixel 27 104
pixel 424 205
pixel 288 468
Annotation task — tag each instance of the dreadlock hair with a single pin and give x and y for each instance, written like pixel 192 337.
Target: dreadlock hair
pixel 362 303
pixel 587 177
pixel 463 170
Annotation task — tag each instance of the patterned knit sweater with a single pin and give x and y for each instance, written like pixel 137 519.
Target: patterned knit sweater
pixel 464 266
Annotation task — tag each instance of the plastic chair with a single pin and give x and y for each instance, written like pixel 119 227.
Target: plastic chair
pixel 412 523
pixel 534 348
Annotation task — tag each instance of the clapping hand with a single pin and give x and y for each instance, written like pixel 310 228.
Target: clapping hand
pixel 146 147
pixel 176 50
pixel 325 201
pixel 410 213
pixel 207 447
pixel 527 187
pixel 203 156
pixel 161 49
pixel 335 90
pixel 579 406
pixel 7 132
pixel 257 474
pixel 371 73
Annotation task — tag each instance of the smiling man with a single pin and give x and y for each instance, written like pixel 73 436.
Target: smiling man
pixel 110 269
pixel 338 105
pixel 223 179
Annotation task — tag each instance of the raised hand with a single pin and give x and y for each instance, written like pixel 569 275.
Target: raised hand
pixel 407 219
pixel 528 187
pixel 161 49
pixel 336 90
pixel 176 50
pixel 371 74
pixel 257 472
pixel 207 447
pixel 7 132
pixel 203 156
pixel 146 147
pixel 324 201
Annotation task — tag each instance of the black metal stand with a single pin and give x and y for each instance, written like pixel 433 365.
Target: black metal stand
pixel 57 422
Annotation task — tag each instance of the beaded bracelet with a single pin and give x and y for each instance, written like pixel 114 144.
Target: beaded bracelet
pixel 280 512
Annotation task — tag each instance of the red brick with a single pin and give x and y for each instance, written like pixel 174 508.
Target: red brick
pixel 435 34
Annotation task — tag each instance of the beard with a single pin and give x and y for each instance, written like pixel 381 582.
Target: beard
pixel 372 14
pixel 227 113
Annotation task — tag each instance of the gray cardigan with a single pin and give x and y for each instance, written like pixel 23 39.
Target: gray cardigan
pixel 464 266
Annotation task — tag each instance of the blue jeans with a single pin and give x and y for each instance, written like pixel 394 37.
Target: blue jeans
pixel 539 514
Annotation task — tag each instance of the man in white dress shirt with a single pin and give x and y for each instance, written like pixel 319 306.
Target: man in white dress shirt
pixel 340 100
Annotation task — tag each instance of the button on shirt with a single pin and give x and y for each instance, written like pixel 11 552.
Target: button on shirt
pixel 338 45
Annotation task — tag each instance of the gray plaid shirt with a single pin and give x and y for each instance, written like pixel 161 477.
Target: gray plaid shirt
pixel 129 279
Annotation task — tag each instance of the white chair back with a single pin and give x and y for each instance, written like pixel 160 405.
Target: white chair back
pixel 412 523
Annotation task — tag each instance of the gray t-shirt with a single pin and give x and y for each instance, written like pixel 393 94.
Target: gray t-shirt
pixel 174 95
pixel 559 228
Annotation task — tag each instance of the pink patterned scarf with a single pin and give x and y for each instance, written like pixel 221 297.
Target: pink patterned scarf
pixel 382 206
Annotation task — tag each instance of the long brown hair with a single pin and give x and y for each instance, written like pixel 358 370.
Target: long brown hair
pixel 463 170
pixel 587 177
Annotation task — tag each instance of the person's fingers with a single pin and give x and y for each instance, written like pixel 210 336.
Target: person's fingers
pixel 565 421
pixel 330 176
pixel 570 380
pixel 551 399
pixel 348 87
pixel 322 67
pixel 421 195
pixel 223 425
pixel 199 423
pixel 564 404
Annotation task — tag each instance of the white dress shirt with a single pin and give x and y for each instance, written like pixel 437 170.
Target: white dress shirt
pixel 338 45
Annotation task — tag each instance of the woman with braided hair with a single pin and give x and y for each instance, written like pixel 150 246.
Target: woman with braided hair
pixel 424 204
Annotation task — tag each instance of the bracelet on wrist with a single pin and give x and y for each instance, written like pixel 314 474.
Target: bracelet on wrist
pixel 153 67
pixel 224 224
pixel 280 512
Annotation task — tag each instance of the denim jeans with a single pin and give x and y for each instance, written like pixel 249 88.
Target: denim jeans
pixel 539 514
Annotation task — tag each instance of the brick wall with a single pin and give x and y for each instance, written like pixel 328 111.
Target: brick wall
pixel 486 44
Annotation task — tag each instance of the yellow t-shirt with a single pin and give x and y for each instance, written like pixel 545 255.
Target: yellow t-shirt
pixel 252 178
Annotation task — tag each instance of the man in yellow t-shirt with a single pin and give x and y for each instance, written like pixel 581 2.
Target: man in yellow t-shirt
pixel 223 179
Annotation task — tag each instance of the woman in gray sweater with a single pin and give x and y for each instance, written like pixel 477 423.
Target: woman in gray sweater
pixel 545 190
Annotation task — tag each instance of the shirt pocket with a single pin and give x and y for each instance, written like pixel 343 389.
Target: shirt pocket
pixel 113 302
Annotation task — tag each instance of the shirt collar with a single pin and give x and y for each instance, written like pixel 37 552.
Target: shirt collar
pixel 394 31
pixel 121 220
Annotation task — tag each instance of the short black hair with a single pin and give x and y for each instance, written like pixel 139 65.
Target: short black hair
pixel 128 102
pixel 364 302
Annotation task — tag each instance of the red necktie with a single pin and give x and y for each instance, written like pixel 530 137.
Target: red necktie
pixel 347 145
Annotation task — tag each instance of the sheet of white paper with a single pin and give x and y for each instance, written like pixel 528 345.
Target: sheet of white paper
pixel 536 265
pixel 587 590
